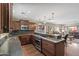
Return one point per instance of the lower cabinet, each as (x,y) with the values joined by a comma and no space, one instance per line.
(25,39)
(32,40)
(52,49)
(48,48)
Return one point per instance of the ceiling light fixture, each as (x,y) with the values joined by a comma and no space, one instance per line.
(52,16)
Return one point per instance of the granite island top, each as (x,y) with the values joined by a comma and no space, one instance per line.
(3,35)
(20,32)
(10,46)
(50,39)
(54,40)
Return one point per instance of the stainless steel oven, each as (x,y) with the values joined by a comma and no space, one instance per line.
(38,43)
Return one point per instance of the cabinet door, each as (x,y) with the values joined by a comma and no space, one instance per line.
(24,22)
(5,17)
(32,40)
(48,48)
(16,25)
(0,19)
(25,39)
(60,49)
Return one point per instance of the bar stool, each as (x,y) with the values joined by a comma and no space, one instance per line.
(71,39)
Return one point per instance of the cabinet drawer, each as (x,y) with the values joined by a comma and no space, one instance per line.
(48,48)
(47,52)
(48,45)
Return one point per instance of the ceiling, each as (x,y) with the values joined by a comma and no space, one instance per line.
(64,13)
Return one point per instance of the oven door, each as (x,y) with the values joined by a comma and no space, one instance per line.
(38,43)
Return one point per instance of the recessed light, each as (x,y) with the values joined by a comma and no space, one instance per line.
(28,11)
(22,13)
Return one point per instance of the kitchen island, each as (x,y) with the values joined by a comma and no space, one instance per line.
(47,45)
(51,46)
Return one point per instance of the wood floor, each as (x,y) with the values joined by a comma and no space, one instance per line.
(29,50)
(72,49)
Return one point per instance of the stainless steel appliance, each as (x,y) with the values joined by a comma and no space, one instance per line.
(38,43)
(24,27)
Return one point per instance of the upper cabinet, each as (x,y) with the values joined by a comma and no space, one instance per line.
(23,25)
(29,25)
(32,26)
(24,22)
(15,25)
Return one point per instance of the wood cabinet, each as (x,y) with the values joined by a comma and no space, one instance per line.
(48,48)
(16,25)
(32,26)
(0,20)
(25,39)
(24,22)
(33,39)
(52,49)
(4,17)
(60,49)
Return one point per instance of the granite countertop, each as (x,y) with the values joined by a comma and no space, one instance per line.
(3,35)
(20,32)
(10,46)
(50,39)
(54,40)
